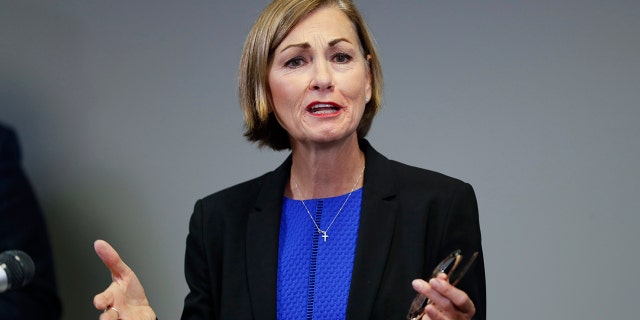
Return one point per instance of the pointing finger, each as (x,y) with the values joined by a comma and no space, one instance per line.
(111,259)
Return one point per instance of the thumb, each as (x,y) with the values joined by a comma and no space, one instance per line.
(443,276)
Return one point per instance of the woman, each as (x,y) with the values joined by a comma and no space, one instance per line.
(338,231)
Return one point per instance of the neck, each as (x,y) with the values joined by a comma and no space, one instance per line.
(325,171)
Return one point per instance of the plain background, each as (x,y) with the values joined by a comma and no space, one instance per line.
(127,113)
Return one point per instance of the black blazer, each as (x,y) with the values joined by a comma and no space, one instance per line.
(410,219)
(22,227)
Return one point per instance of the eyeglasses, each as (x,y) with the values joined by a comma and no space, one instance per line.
(416,311)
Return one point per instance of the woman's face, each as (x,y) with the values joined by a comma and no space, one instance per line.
(319,79)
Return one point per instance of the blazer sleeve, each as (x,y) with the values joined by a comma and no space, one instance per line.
(462,231)
(199,302)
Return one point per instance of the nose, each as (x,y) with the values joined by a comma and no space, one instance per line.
(322,78)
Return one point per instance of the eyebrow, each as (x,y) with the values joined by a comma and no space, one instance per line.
(306,45)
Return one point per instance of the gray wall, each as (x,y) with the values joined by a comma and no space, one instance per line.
(127,112)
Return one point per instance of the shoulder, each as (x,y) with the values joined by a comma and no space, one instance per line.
(429,188)
(234,199)
(268,185)
(9,149)
(409,175)
(402,176)
(7,133)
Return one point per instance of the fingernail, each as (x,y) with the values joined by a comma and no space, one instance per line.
(420,285)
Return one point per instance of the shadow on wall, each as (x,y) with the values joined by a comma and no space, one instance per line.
(72,256)
(38,58)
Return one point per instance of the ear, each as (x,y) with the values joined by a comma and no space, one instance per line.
(368,78)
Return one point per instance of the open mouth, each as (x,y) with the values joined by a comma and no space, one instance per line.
(323,108)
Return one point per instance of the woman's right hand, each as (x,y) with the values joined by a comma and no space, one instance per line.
(124,298)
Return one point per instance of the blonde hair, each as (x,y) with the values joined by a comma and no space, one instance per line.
(269,30)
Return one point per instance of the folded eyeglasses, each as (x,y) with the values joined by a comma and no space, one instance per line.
(447,266)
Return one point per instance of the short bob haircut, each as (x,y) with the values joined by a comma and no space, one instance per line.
(269,30)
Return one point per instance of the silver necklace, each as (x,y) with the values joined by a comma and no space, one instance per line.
(324,232)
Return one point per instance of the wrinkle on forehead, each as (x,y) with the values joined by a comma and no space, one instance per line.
(319,27)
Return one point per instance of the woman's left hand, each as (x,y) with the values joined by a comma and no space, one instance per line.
(447,301)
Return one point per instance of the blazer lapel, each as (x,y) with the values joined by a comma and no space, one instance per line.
(263,227)
(377,222)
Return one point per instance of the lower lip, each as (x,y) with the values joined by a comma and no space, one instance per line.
(325,113)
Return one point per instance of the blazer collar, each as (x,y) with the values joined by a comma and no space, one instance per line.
(377,221)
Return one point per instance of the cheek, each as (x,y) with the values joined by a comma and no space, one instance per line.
(276,92)
(358,93)
(359,85)
(279,90)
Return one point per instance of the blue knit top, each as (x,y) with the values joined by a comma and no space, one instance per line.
(314,275)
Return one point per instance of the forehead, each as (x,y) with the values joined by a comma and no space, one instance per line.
(328,23)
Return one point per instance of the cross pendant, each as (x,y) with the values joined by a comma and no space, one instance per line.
(325,236)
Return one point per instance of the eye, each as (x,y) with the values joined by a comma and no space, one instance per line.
(294,63)
(341,57)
